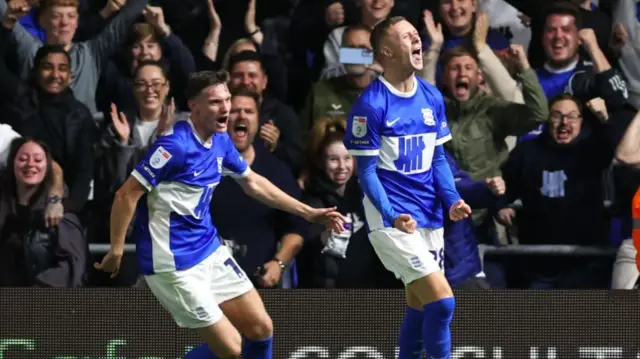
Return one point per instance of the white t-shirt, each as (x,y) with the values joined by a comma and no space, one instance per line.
(146,129)
(7,135)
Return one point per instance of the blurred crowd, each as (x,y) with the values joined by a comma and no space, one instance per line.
(541,99)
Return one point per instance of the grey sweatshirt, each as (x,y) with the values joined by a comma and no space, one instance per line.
(87,58)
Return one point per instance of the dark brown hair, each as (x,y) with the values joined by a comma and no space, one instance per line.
(8,191)
(203,79)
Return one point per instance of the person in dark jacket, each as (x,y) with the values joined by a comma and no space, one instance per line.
(463,266)
(32,254)
(337,260)
(280,127)
(558,176)
(150,41)
(45,108)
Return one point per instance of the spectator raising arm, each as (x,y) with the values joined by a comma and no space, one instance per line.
(628,151)
(212,42)
(114,35)
(431,56)
(250,24)
(495,74)
(514,119)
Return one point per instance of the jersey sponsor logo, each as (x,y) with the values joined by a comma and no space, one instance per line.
(160,158)
(410,151)
(359,128)
(390,123)
(427,115)
(553,184)
(197,173)
(148,170)
(443,125)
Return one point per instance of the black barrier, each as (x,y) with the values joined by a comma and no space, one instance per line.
(339,324)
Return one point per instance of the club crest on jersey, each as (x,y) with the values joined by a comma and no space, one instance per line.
(359,128)
(160,158)
(219,164)
(427,115)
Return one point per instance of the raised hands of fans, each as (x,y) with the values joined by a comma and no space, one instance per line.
(459,210)
(334,16)
(505,216)
(120,124)
(405,223)
(15,10)
(518,53)
(270,134)
(588,38)
(215,24)
(481,30)
(598,108)
(329,217)
(110,264)
(619,38)
(250,23)
(167,118)
(434,31)
(112,7)
(272,274)
(154,16)
(496,185)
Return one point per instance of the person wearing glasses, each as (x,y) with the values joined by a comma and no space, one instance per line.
(127,138)
(558,177)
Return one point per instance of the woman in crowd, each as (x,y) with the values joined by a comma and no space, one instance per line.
(337,260)
(127,138)
(32,254)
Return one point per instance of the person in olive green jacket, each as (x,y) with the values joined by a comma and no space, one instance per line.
(335,96)
(479,123)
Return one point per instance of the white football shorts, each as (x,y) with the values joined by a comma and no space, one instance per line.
(410,256)
(192,296)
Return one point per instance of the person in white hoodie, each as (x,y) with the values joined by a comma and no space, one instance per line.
(7,134)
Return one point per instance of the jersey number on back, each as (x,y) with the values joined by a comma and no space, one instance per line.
(205,200)
(410,154)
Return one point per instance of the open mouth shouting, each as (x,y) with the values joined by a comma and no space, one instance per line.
(221,123)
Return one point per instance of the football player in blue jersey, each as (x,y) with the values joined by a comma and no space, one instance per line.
(396,130)
(178,248)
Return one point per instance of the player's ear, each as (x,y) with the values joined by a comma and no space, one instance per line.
(386,51)
(192,105)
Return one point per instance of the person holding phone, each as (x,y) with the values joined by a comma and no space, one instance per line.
(336,95)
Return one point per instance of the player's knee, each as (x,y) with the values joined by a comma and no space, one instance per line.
(444,307)
(260,329)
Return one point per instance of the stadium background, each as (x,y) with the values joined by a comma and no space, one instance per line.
(336,324)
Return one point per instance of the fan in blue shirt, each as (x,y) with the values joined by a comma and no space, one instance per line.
(179,252)
(396,130)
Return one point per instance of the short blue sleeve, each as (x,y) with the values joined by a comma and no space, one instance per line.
(233,164)
(363,130)
(444,134)
(165,156)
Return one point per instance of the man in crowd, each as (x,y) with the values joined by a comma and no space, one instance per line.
(265,248)
(280,128)
(336,95)
(60,20)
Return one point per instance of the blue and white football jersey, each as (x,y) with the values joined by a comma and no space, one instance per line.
(173,228)
(402,130)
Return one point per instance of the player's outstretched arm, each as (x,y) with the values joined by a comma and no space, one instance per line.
(266,192)
(122,210)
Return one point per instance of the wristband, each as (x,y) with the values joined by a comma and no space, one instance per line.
(280,263)
(257,30)
(54,200)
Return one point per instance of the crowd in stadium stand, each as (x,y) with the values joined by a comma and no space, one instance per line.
(539,95)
